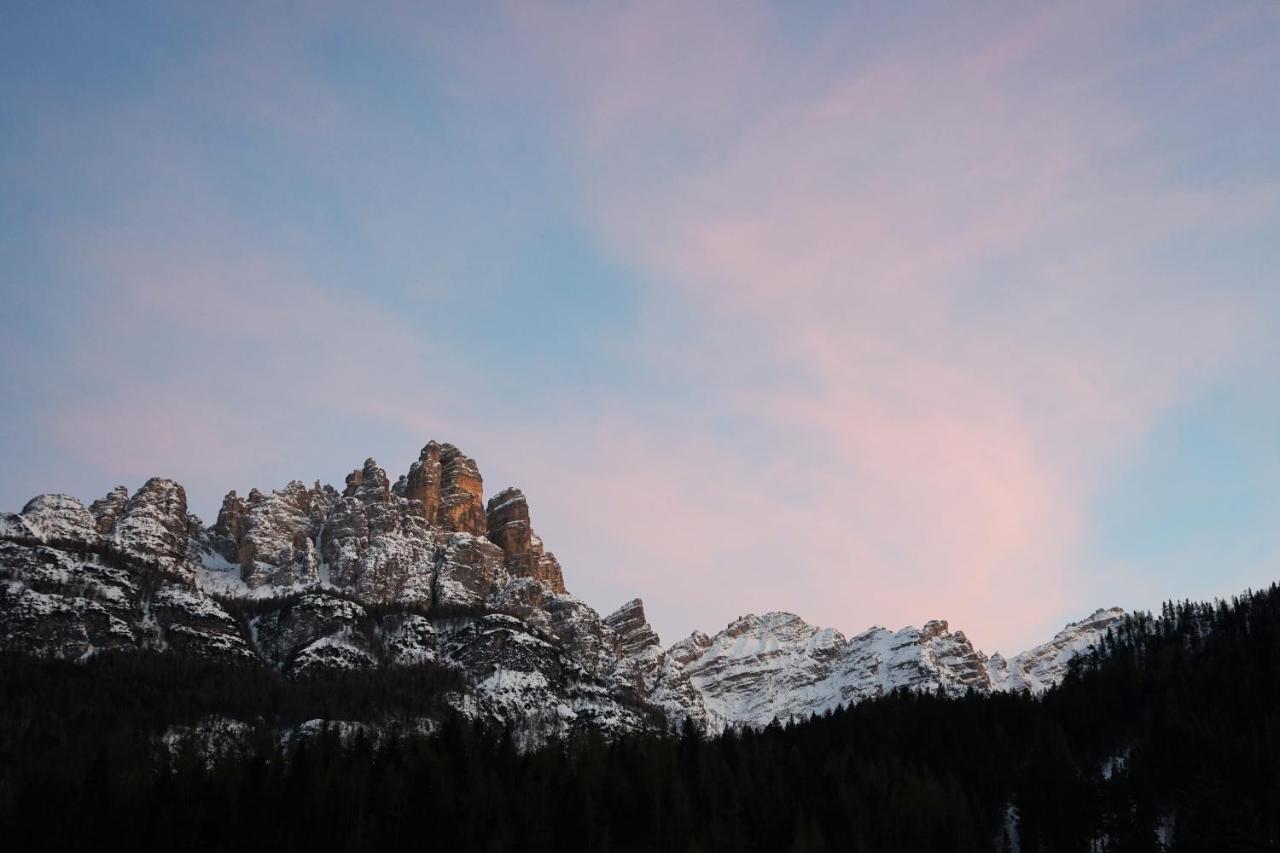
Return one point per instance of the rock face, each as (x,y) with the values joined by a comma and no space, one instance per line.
(507,521)
(274,542)
(656,673)
(423,482)
(461,493)
(228,531)
(1044,666)
(153,524)
(107,509)
(308,580)
(53,517)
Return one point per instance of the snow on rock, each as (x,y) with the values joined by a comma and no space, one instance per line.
(348,731)
(528,678)
(652,672)
(275,544)
(582,632)
(410,639)
(59,517)
(1042,667)
(335,652)
(210,739)
(55,604)
(58,626)
(153,525)
(422,572)
(777,666)
(469,569)
(192,623)
(15,526)
(106,510)
(284,632)
(762,667)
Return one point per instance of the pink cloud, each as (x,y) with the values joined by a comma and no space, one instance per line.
(841,232)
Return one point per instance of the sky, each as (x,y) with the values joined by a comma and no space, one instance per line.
(875,313)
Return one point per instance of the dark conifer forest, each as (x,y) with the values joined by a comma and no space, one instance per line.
(1165,737)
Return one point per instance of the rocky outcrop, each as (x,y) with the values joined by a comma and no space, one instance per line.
(369,484)
(191,623)
(411,639)
(56,605)
(653,672)
(424,481)
(275,540)
(1040,668)
(285,633)
(526,676)
(507,519)
(461,493)
(640,652)
(509,527)
(106,510)
(228,531)
(468,570)
(376,542)
(59,517)
(153,524)
(635,637)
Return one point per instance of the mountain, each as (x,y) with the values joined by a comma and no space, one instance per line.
(309,580)
(777,666)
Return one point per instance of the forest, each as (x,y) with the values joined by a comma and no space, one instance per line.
(1165,737)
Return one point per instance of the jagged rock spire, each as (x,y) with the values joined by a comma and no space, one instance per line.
(509,527)
(106,510)
(424,481)
(461,493)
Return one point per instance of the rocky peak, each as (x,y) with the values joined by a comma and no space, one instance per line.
(274,541)
(228,531)
(296,493)
(423,483)
(369,484)
(510,529)
(1041,667)
(632,629)
(690,647)
(153,524)
(507,518)
(933,628)
(54,517)
(461,493)
(105,510)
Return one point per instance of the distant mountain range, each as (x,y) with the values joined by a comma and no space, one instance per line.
(307,580)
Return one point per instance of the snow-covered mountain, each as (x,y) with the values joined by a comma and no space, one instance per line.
(777,666)
(307,579)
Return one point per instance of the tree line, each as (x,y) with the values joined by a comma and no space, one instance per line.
(1165,736)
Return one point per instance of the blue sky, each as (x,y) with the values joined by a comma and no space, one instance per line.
(875,313)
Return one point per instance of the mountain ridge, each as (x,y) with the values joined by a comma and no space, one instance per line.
(425,570)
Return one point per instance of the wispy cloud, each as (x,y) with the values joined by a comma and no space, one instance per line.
(953,251)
